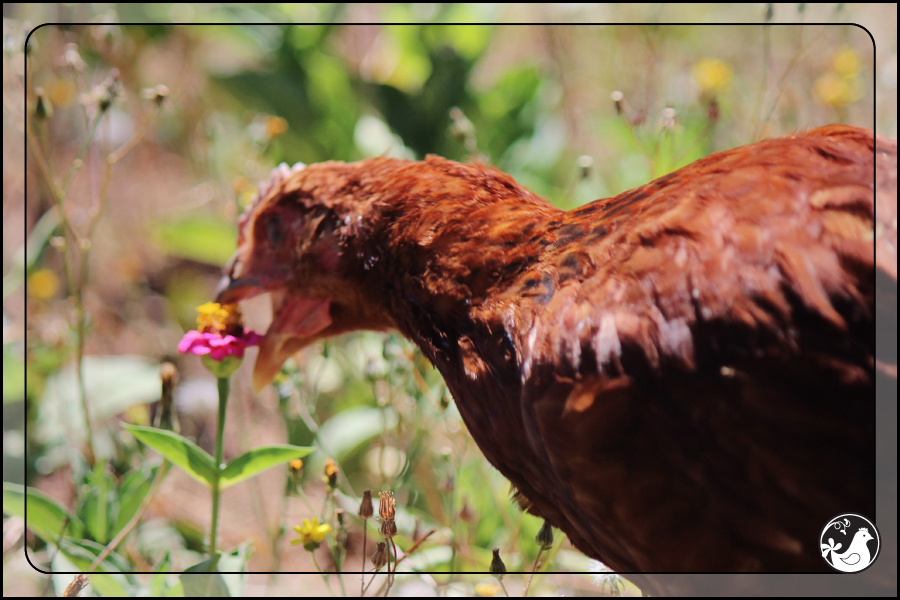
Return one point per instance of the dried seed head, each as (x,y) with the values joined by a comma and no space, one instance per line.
(379,559)
(43,109)
(108,91)
(386,506)
(389,528)
(545,536)
(165,416)
(157,94)
(617,98)
(712,110)
(466,513)
(498,569)
(73,589)
(71,59)
(365,506)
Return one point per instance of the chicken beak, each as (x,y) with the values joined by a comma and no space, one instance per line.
(296,321)
(230,291)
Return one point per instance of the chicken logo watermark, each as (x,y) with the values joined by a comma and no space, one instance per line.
(850,543)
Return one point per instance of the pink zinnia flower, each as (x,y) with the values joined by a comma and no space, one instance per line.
(217,345)
(221,334)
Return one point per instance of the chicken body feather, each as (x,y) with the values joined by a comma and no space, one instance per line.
(681,378)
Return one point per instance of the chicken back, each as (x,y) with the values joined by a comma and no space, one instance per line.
(680,378)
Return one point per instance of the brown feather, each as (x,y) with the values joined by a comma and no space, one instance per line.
(680,378)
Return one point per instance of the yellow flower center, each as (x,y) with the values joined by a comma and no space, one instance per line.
(220,318)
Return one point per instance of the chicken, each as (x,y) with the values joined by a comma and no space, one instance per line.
(680,378)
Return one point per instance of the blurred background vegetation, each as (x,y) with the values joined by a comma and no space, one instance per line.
(198,114)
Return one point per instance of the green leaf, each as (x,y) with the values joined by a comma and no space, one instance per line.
(204,585)
(347,430)
(159,585)
(181,451)
(202,581)
(13,374)
(112,384)
(131,494)
(94,509)
(221,575)
(259,459)
(110,578)
(203,239)
(46,518)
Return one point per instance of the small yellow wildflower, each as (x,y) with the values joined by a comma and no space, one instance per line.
(43,284)
(712,75)
(62,92)
(311,533)
(295,469)
(487,590)
(845,62)
(837,91)
(275,126)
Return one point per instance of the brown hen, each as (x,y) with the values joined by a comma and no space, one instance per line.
(680,378)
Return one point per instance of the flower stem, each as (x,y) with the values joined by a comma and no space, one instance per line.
(533,569)
(321,572)
(362,588)
(220,435)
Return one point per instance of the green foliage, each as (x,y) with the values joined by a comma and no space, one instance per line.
(47,519)
(200,465)
(198,238)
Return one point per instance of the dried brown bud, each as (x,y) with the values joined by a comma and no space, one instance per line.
(545,536)
(73,589)
(386,506)
(498,569)
(72,59)
(166,417)
(43,109)
(157,94)
(108,91)
(389,528)
(466,513)
(365,506)
(712,110)
(379,559)
(339,513)
(617,98)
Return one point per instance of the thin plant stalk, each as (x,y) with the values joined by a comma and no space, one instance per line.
(362,585)
(220,435)
(59,189)
(322,573)
(533,569)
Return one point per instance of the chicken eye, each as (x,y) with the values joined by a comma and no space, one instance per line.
(273,232)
